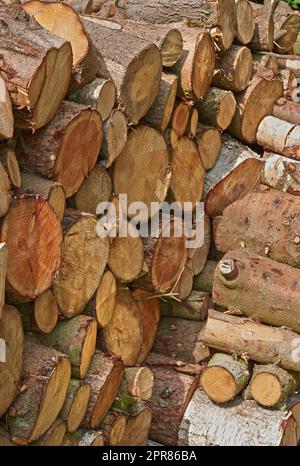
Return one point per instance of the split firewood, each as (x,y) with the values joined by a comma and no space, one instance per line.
(96,188)
(240,423)
(281,173)
(114,137)
(45,372)
(236,172)
(263,36)
(274,239)
(194,307)
(102,304)
(54,435)
(123,335)
(224,377)
(77,339)
(181,339)
(161,110)
(55,152)
(180,117)
(6,112)
(3,262)
(64,22)
(75,405)
(31,271)
(9,161)
(287,110)
(245,24)
(172,392)
(83,260)
(104,377)
(217,108)
(12,337)
(137,428)
(40,315)
(204,280)
(196,65)
(113,427)
(271,385)
(286,27)
(36,67)
(133,64)
(51,191)
(251,274)
(197,253)
(269,345)
(149,311)
(208,140)
(100,94)
(248,113)
(279,136)
(234,68)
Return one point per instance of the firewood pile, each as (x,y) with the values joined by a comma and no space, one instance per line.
(118,339)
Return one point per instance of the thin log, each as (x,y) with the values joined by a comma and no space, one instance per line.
(217,108)
(75,405)
(208,140)
(40,315)
(234,68)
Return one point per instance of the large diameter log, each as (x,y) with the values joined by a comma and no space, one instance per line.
(3,261)
(172,392)
(123,335)
(281,173)
(99,94)
(45,372)
(232,334)
(245,25)
(56,151)
(161,110)
(196,65)
(11,360)
(54,436)
(102,304)
(194,307)
(234,69)
(144,146)
(236,173)
(253,105)
(40,315)
(63,21)
(96,188)
(76,403)
(271,238)
(217,108)
(51,191)
(287,110)
(239,276)
(224,377)
(31,271)
(279,136)
(134,65)
(287,27)
(264,26)
(77,339)
(6,112)
(84,257)
(104,377)
(238,423)
(36,67)
(203,282)
(181,339)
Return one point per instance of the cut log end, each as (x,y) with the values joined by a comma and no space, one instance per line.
(266,389)
(95,189)
(245,21)
(171,47)
(219,384)
(46,311)
(208,140)
(7,118)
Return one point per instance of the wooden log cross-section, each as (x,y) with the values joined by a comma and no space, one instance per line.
(233,69)
(217,108)
(40,315)
(286,27)
(75,405)
(263,36)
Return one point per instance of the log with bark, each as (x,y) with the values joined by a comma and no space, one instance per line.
(96,188)
(56,151)
(217,108)
(279,136)
(250,229)
(75,405)
(102,304)
(6,112)
(263,36)
(287,110)
(104,377)
(204,280)
(36,67)
(234,69)
(31,270)
(40,315)
(246,337)
(245,25)
(281,173)
(54,435)
(84,438)
(137,382)
(181,339)
(236,173)
(12,341)
(208,140)
(133,63)
(264,61)
(253,105)
(43,388)
(84,257)
(286,27)
(224,377)
(77,339)
(194,307)
(113,427)
(238,423)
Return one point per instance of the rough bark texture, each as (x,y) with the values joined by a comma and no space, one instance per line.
(194,307)
(290,62)
(279,136)
(217,108)
(287,110)
(264,26)
(234,69)
(281,173)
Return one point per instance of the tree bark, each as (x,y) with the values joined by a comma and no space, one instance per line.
(264,61)
(40,315)
(208,140)
(75,405)
(104,377)
(290,62)
(102,304)
(289,82)
(238,423)
(245,25)
(234,68)
(84,257)
(36,67)
(181,339)
(268,345)
(56,151)
(84,438)
(45,372)
(217,108)
(76,338)
(281,173)
(279,136)
(286,27)
(194,307)
(264,26)
(248,112)
(204,280)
